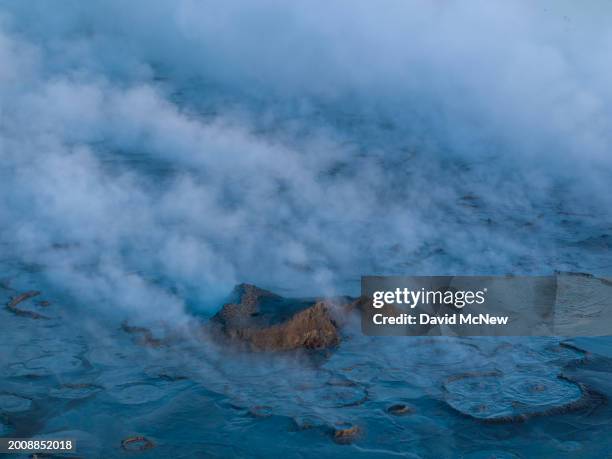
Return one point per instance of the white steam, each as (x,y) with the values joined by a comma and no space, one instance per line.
(156,153)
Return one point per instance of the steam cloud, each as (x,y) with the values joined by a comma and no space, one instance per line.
(155,153)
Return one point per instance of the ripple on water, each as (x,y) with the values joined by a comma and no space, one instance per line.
(496,397)
(166,373)
(53,364)
(74,391)
(334,396)
(28,351)
(549,354)
(563,353)
(13,403)
(136,394)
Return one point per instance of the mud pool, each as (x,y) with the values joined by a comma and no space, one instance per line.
(155,154)
(73,376)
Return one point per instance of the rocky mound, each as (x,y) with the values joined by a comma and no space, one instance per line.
(266,321)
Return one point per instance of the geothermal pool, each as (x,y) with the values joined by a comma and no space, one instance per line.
(94,380)
(153,154)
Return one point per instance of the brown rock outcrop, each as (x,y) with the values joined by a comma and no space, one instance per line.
(266,321)
(346,434)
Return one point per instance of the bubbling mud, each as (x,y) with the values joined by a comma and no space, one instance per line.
(516,397)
